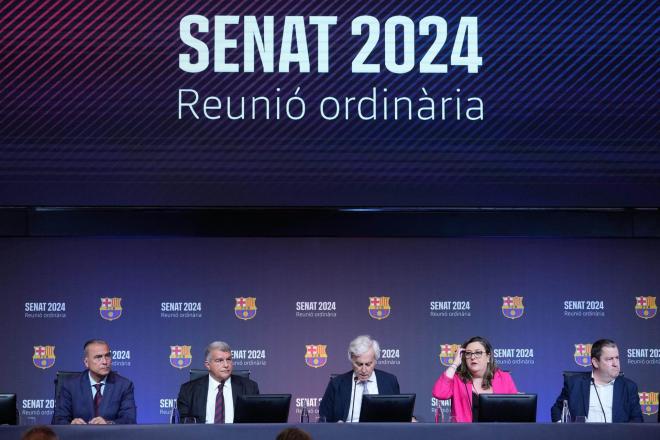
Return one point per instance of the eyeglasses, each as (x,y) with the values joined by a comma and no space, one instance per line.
(473,354)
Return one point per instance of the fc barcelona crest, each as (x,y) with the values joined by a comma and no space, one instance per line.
(44,356)
(379,307)
(110,308)
(180,356)
(582,355)
(447,353)
(245,308)
(645,307)
(649,402)
(316,356)
(512,306)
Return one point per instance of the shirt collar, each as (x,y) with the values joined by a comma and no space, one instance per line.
(93,382)
(214,383)
(610,383)
(371,378)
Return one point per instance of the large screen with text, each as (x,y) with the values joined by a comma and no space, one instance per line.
(372,103)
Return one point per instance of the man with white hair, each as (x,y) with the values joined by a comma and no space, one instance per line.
(212,398)
(342,399)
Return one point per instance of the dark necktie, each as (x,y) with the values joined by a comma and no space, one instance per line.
(97,398)
(220,405)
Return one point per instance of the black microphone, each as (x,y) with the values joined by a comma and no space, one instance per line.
(593,382)
(467,393)
(355,379)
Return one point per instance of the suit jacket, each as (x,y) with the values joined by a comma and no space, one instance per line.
(75,400)
(625,400)
(460,392)
(192,395)
(337,397)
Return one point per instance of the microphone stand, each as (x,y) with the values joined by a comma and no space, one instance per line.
(355,379)
(467,393)
(593,382)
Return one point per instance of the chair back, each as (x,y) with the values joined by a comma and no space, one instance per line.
(8,409)
(59,379)
(196,373)
(568,373)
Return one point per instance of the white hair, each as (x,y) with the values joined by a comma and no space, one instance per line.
(361,345)
(216,345)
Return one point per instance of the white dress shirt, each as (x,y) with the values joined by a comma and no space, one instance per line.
(93,382)
(606,394)
(212,393)
(370,386)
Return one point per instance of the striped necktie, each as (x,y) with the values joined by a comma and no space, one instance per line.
(97,398)
(220,405)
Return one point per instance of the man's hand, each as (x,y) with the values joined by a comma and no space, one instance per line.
(98,421)
(78,421)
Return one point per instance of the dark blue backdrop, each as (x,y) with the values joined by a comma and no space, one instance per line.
(417,275)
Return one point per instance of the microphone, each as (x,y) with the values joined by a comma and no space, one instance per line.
(593,382)
(467,393)
(355,379)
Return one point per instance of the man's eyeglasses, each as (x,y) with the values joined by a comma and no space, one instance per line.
(473,354)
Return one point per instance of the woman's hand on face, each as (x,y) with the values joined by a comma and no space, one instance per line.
(458,358)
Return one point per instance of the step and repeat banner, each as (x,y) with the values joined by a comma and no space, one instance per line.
(375,102)
(290,306)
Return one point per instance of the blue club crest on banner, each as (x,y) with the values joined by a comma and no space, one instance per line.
(512,307)
(110,308)
(649,402)
(316,356)
(447,353)
(44,356)
(582,355)
(180,356)
(379,307)
(245,308)
(645,307)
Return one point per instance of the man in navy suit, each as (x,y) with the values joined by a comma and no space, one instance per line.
(98,395)
(212,398)
(342,399)
(602,396)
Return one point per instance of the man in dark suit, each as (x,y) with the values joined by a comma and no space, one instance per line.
(98,395)
(342,399)
(212,398)
(603,395)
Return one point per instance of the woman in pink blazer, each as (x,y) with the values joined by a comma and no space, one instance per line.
(473,372)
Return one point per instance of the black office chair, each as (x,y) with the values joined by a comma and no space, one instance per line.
(59,377)
(63,375)
(196,373)
(8,409)
(568,374)
(587,374)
